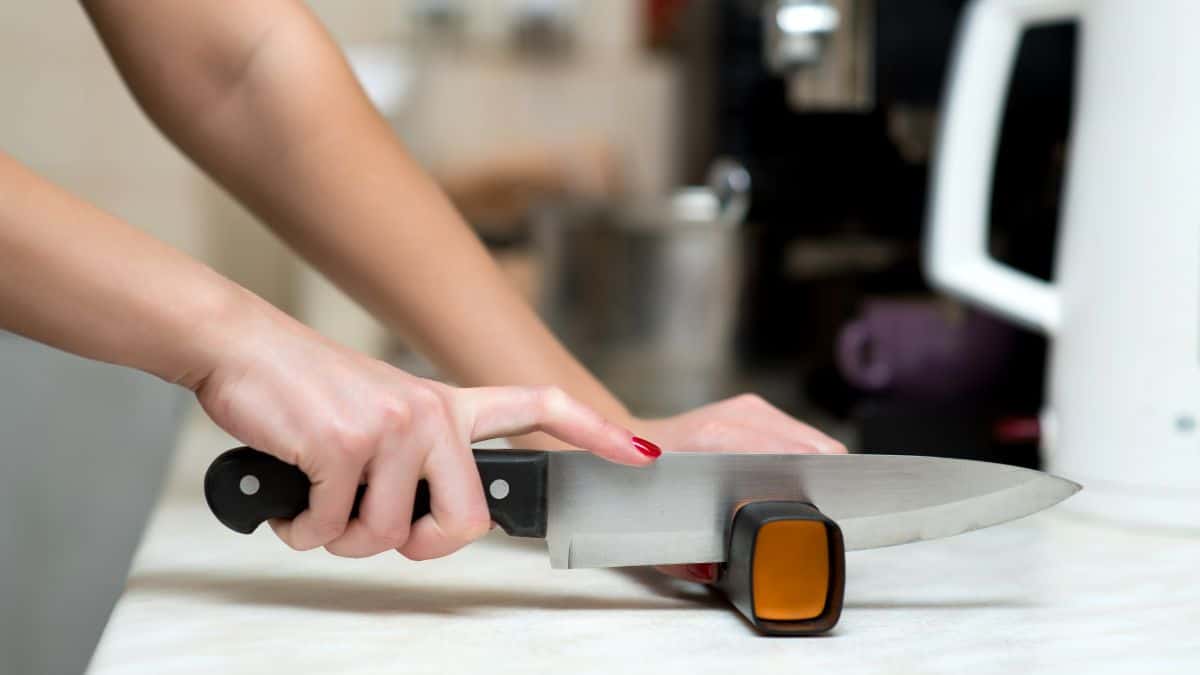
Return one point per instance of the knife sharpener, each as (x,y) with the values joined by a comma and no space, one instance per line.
(785,569)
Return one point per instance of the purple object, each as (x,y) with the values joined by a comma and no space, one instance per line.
(922,349)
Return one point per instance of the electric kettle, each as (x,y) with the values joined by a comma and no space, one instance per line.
(1123,311)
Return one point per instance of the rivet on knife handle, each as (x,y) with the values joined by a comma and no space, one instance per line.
(245,487)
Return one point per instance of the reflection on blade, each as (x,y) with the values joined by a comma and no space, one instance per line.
(947,520)
(642,548)
(605,515)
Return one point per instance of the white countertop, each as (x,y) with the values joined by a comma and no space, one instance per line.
(1051,593)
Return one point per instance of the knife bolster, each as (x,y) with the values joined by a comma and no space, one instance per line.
(785,569)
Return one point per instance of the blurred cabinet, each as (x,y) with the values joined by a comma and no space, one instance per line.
(83,450)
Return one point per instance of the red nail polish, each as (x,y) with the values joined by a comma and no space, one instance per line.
(702,572)
(647,448)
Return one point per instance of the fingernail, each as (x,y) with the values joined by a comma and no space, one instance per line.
(647,448)
(705,573)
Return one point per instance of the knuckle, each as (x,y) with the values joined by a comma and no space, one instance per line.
(714,429)
(293,544)
(751,400)
(718,432)
(477,525)
(471,524)
(351,441)
(417,555)
(430,406)
(425,399)
(325,529)
(396,413)
(553,400)
(343,552)
(394,534)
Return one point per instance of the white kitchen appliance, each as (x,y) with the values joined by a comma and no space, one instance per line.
(1123,311)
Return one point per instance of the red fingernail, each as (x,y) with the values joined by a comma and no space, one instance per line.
(647,448)
(705,573)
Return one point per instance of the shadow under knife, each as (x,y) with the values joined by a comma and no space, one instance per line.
(337,594)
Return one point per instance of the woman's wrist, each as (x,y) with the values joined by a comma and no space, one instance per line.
(217,323)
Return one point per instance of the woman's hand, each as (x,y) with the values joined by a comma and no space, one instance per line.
(745,423)
(343,418)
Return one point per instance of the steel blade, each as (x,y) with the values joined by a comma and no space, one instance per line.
(678,511)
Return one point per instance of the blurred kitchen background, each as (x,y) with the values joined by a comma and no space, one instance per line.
(703,197)
(567,130)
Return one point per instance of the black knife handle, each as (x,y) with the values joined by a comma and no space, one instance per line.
(245,487)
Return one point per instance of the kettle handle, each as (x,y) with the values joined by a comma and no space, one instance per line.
(956,258)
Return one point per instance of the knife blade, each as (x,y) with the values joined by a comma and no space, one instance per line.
(594,513)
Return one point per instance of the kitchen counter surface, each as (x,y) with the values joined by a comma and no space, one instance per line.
(1051,593)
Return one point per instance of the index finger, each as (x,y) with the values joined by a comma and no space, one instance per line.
(510,411)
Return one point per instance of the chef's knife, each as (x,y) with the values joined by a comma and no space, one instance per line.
(594,513)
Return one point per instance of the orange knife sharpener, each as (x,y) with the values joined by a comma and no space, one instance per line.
(786,568)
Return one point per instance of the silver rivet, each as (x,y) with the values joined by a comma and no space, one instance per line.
(248,484)
(498,489)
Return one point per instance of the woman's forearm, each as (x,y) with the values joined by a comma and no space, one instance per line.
(76,278)
(282,123)
(81,280)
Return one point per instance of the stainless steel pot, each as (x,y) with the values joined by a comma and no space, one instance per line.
(646,293)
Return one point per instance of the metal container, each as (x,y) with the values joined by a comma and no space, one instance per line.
(646,293)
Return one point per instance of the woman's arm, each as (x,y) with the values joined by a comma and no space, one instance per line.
(260,96)
(78,279)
